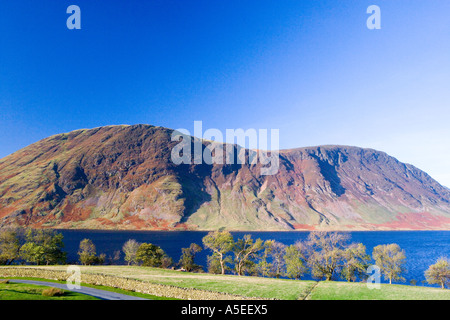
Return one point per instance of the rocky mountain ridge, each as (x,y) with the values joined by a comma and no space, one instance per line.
(122,177)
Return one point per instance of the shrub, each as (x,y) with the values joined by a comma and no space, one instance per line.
(52,292)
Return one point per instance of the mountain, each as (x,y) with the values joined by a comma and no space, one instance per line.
(122,177)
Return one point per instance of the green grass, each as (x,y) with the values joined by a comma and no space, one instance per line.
(333,290)
(22,291)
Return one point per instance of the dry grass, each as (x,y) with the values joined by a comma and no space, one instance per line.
(52,292)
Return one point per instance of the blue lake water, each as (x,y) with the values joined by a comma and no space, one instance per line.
(422,248)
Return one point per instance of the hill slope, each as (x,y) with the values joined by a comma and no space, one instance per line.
(122,177)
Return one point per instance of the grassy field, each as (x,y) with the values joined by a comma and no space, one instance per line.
(244,286)
(334,290)
(265,287)
(22,291)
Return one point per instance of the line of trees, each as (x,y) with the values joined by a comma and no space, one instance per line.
(32,246)
(324,255)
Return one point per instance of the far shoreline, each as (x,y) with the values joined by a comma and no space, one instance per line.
(241,231)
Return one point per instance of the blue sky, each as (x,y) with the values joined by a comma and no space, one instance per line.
(311,69)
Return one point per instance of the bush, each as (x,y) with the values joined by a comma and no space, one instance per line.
(151,255)
(52,292)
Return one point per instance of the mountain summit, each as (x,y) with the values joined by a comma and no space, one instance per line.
(122,177)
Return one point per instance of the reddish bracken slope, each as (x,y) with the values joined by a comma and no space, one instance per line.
(121,177)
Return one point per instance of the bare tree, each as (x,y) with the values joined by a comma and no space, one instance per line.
(130,249)
(278,250)
(326,252)
(272,263)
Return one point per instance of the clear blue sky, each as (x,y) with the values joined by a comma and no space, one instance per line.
(308,68)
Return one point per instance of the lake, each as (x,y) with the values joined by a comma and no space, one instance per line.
(422,248)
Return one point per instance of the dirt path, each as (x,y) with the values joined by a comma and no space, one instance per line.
(310,291)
